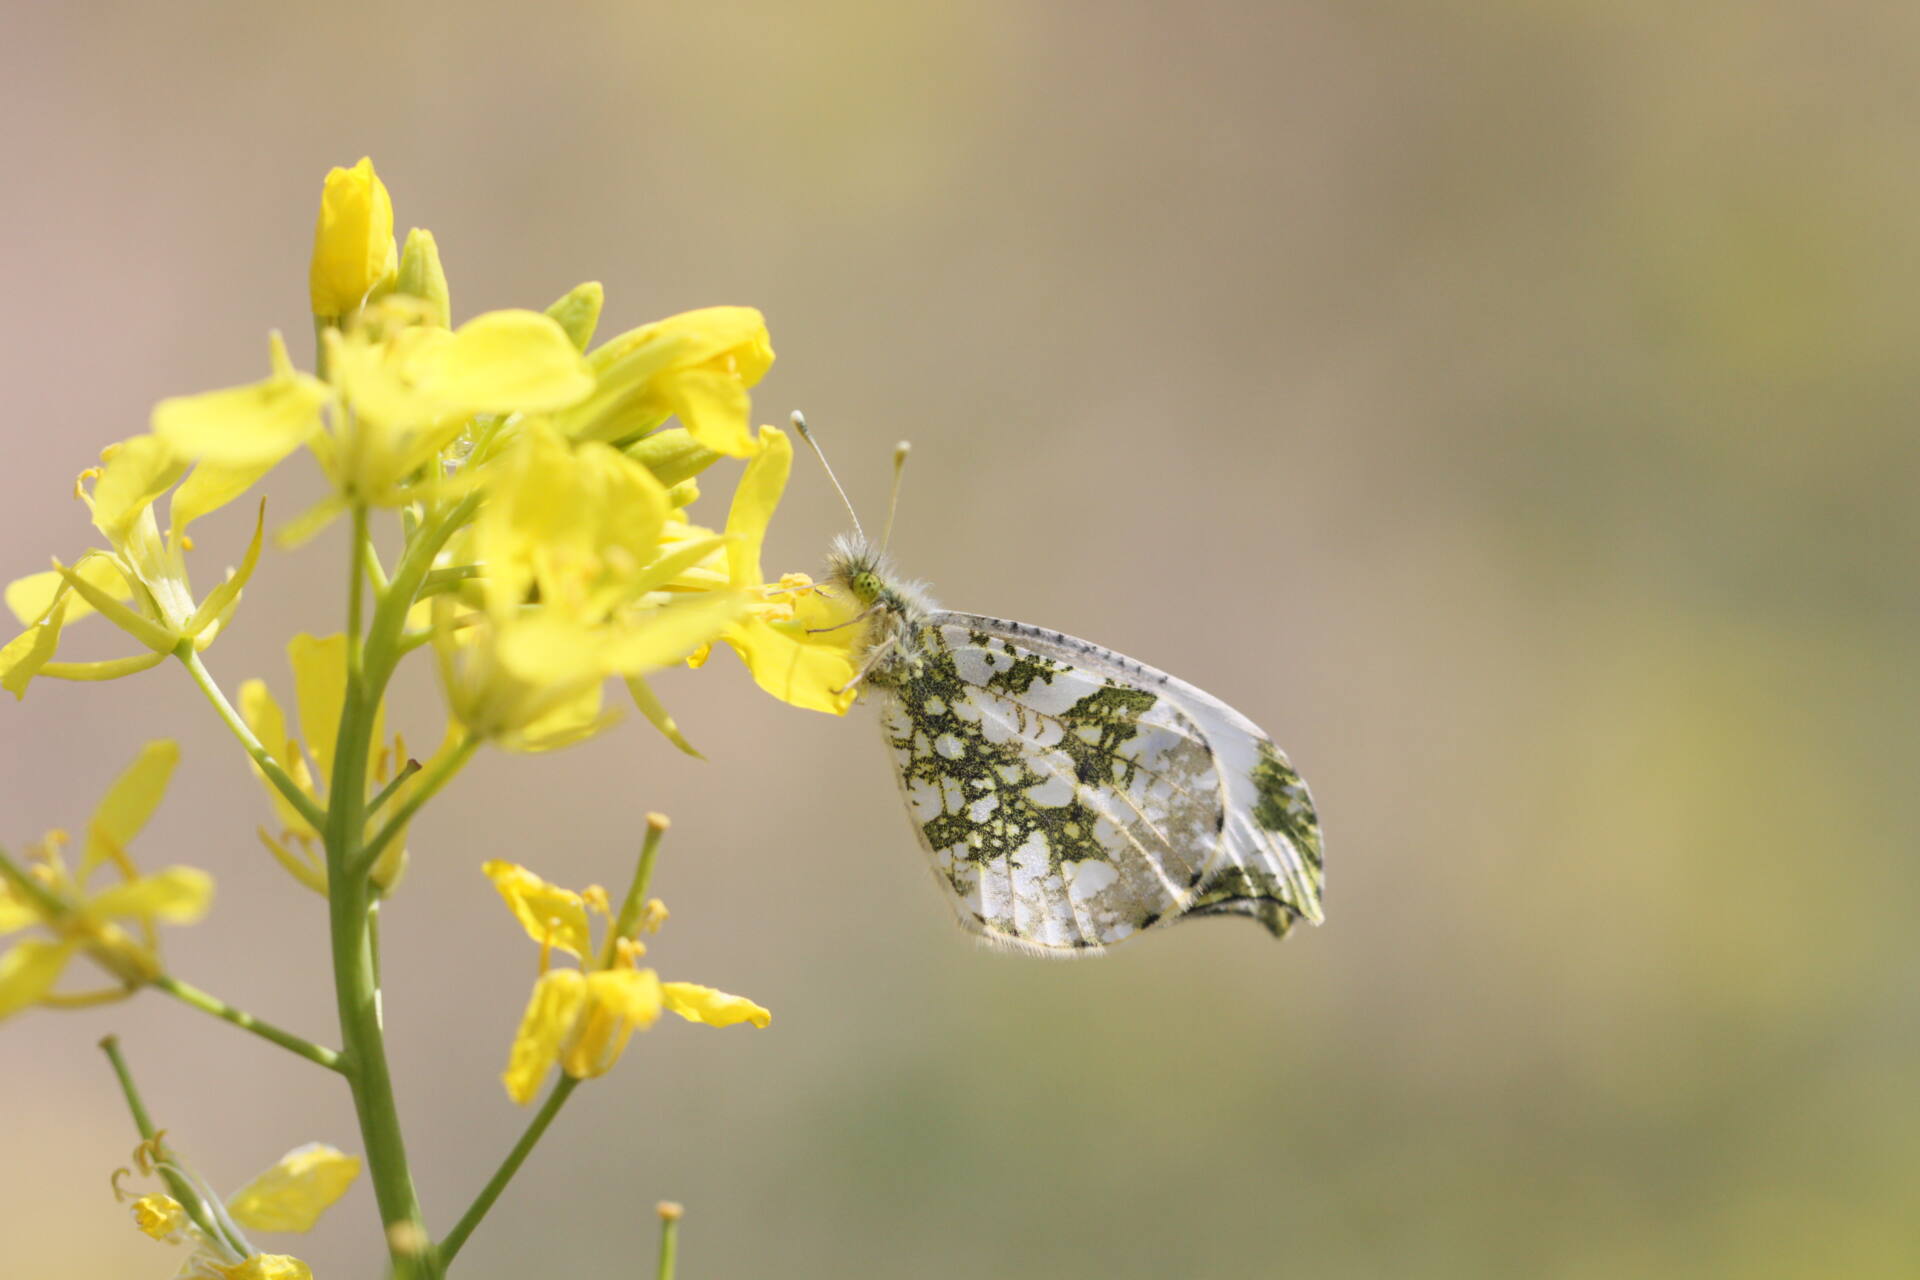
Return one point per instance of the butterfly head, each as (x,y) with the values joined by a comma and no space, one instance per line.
(892,608)
(864,572)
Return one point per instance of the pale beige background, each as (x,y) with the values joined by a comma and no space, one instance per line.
(1510,406)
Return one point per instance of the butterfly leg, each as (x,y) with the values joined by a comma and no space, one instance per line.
(873,660)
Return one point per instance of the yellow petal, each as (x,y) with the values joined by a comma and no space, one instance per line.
(209,487)
(545,911)
(28,971)
(130,801)
(353,247)
(293,1194)
(30,597)
(506,362)
(551,1012)
(663,636)
(302,528)
(754,500)
(696,1003)
(566,724)
(250,426)
(805,670)
(267,1266)
(618,1003)
(305,868)
(26,654)
(178,895)
(319,689)
(269,724)
(16,912)
(698,362)
(137,471)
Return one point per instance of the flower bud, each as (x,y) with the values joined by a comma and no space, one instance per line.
(422,277)
(579,312)
(353,250)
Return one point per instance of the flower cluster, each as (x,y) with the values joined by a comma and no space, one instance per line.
(288,1197)
(113,925)
(542,462)
(581,1018)
(522,503)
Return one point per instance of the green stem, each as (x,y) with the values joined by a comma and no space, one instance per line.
(669,1238)
(629,913)
(45,900)
(349,904)
(186,993)
(629,917)
(436,777)
(178,1184)
(356,592)
(390,615)
(286,786)
(536,1127)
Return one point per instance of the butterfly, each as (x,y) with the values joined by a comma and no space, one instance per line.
(1070,797)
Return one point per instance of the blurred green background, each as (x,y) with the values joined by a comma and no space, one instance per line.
(1510,406)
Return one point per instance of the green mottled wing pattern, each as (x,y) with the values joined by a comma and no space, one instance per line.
(1070,798)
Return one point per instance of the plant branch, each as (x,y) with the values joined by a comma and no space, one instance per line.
(186,993)
(178,1184)
(302,802)
(536,1127)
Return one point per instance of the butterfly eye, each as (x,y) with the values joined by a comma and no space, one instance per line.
(866,585)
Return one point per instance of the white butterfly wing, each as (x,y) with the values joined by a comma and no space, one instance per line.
(1070,797)
(1269,863)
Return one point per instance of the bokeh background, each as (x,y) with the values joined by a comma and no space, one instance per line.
(1510,406)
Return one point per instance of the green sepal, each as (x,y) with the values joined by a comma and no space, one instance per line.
(421,276)
(672,455)
(579,312)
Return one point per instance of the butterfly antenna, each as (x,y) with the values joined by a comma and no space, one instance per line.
(800,425)
(893,498)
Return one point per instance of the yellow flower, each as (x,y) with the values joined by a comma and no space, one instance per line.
(400,388)
(319,688)
(796,640)
(581,1019)
(139,583)
(696,366)
(158,1216)
(353,251)
(79,919)
(290,1196)
(574,590)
